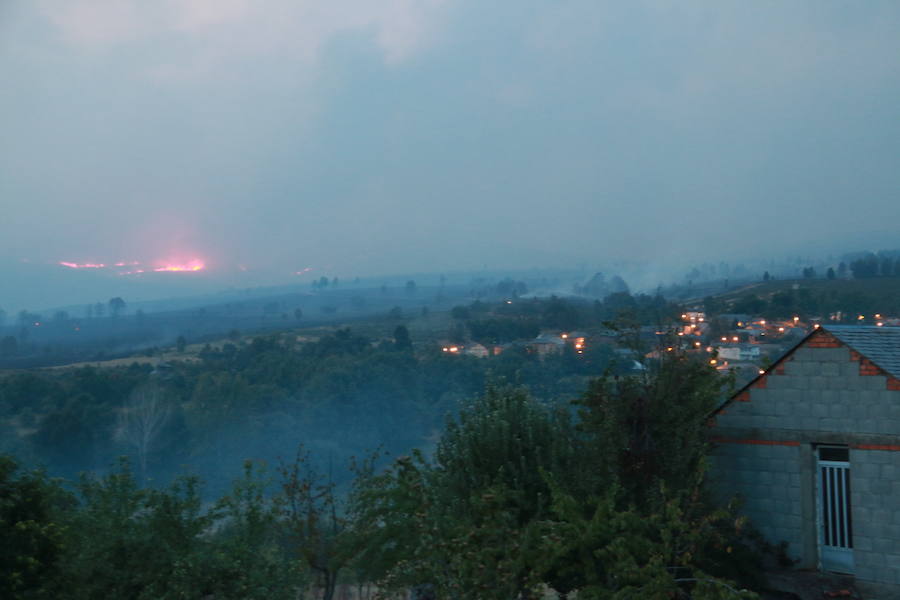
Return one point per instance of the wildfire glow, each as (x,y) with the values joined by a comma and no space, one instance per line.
(135,267)
(72,265)
(194,265)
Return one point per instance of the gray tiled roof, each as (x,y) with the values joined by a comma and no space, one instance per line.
(881,345)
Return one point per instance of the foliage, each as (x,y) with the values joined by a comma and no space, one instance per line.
(650,428)
(32,537)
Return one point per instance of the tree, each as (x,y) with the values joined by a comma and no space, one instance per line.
(410,287)
(401,338)
(830,273)
(33,539)
(180,343)
(466,524)
(766,276)
(116,306)
(99,309)
(321,528)
(142,420)
(9,346)
(298,314)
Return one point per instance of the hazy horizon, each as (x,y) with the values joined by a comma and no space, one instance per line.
(369,139)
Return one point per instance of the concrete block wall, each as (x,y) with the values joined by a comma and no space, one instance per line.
(818,389)
(875,506)
(767,478)
(823,394)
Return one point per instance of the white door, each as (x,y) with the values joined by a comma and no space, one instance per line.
(835,522)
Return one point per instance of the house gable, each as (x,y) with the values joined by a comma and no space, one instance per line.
(821,385)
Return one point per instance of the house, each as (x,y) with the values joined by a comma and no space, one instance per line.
(477,350)
(812,445)
(739,352)
(548,343)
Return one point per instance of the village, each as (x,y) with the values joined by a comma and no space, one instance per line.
(742,344)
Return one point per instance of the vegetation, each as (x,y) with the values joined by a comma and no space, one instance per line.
(784,299)
(518,495)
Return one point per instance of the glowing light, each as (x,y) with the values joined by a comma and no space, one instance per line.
(860,318)
(564,336)
(194,265)
(697,344)
(879,324)
(712,361)
(816,326)
(300,272)
(72,265)
(762,372)
(781,329)
(877,315)
(127,264)
(734,339)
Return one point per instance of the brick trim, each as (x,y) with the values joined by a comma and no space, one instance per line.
(890,447)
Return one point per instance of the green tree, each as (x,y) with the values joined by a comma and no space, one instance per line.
(32,536)
(320,527)
(401,338)
(116,306)
(180,343)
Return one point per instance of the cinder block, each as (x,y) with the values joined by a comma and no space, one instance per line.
(874,559)
(882,546)
(804,354)
(858,383)
(829,396)
(867,425)
(819,409)
(875,382)
(817,382)
(850,397)
(838,383)
(848,368)
(831,369)
(888,427)
(839,355)
(838,409)
(868,470)
(879,487)
(809,423)
(829,424)
(793,367)
(861,543)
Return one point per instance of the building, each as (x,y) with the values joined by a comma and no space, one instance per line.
(477,350)
(739,352)
(548,343)
(812,445)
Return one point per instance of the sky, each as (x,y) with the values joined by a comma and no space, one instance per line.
(361,137)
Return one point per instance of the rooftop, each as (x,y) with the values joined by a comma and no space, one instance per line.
(881,345)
